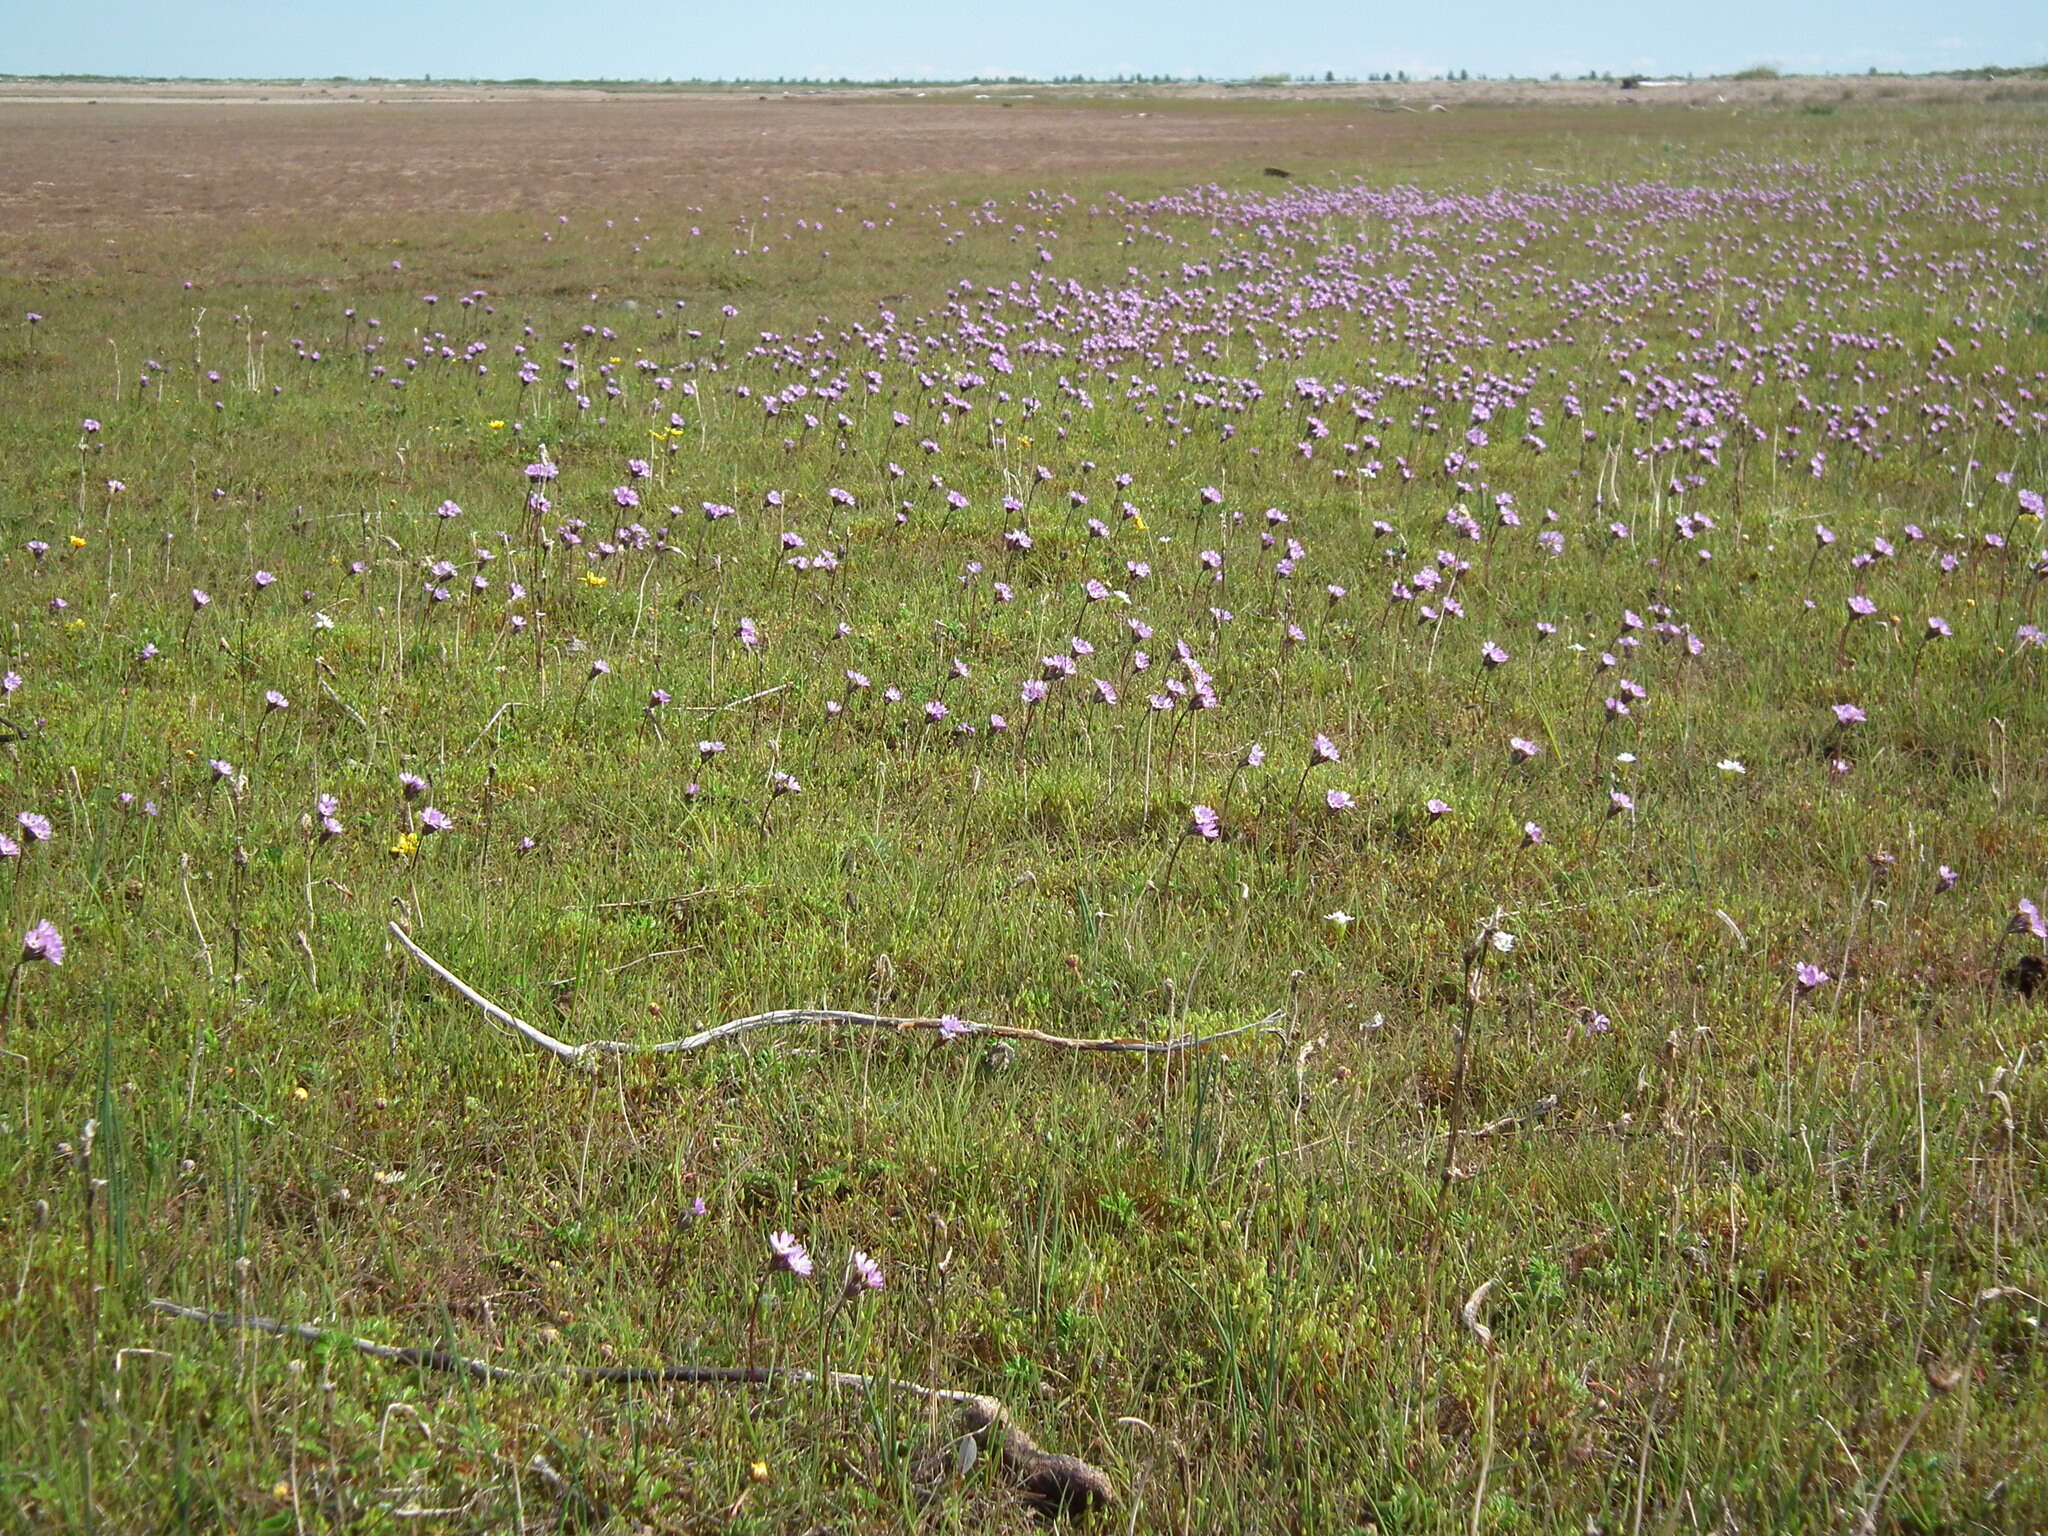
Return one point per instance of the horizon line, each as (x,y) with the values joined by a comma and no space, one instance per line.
(1761,71)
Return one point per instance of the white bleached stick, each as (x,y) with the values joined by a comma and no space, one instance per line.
(578,1055)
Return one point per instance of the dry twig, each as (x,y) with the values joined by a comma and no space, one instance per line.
(578,1055)
(713,709)
(1052,1481)
(1539,1110)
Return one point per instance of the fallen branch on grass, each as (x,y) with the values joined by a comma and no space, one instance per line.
(1052,1482)
(713,709)
(1527,1114)
(681,898)
(579,1054)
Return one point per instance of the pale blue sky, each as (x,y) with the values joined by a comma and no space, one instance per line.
(867,39)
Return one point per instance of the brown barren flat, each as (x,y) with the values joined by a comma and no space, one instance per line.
(119,156)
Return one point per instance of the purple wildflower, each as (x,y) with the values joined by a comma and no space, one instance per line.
(789,1254)
(862,1274)
(2027,919)
(43,942)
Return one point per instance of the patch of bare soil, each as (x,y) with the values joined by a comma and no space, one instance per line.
(120,161)
(119,156)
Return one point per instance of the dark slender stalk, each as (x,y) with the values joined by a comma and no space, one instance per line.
(1475,962)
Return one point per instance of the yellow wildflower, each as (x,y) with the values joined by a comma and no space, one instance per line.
(495,426)
(407,845)
(592,579)
(77,542)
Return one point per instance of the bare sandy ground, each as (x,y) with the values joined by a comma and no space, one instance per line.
(120,156)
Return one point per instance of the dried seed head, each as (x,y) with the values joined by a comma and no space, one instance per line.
(1944,1379)
(1470,1313)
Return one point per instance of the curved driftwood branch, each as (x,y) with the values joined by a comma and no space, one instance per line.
(579,1055)
(1051,1481)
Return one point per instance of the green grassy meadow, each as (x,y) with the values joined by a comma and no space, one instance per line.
(1765,1252)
